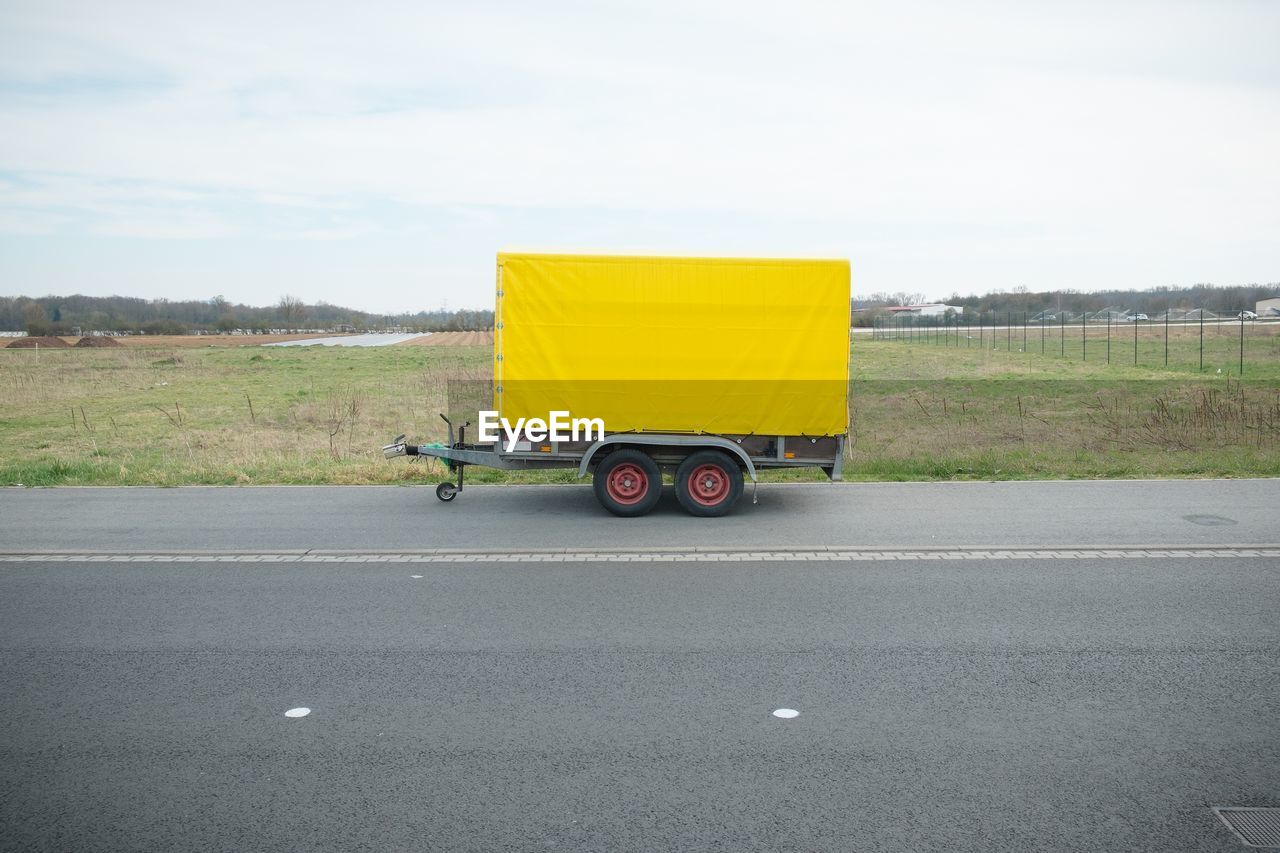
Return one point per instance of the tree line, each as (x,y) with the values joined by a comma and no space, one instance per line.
(1019,300)
(62,315)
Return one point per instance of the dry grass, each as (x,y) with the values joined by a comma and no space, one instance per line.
(188,341)
(1095,348)
(137,415)
(293,415)
(451,339)
(1001,429)
(922,411)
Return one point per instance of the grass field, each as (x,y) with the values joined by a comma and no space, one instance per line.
(1217,348)
(173,416)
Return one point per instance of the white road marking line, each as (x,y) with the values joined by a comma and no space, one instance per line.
(786,713)
(297,712)
(839,555)
(416,577)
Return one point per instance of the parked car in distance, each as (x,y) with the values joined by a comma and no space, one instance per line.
(1133,318)
(1247,315)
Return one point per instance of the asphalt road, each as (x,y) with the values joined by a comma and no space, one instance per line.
(1004,514)
(1073,704)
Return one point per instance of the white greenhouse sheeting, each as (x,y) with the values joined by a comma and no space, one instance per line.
(374,340)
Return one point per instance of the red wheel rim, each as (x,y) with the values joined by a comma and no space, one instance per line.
(709,485)
(627,484)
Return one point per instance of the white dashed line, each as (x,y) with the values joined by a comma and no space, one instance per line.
(786,713)
(297,712)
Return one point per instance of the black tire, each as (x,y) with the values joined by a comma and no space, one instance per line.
(718,487)
(446,491)
(628,483)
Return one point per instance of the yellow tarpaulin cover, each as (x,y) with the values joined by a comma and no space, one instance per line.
(655,344)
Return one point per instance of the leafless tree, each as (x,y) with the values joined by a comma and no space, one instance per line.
(292,310)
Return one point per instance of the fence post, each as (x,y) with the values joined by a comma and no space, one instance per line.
(1062,334)
(1242,344)
(1202,339)
(1024,331)
(1008,331)
(1166,331)
(1084,341)
(1135,339)
(1108,336)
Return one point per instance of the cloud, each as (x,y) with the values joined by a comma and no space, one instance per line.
(1127,140)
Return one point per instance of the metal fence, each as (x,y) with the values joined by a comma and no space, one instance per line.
(1197,340)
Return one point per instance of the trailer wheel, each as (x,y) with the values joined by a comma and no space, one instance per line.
(708,483)
(446,491)
(628,483)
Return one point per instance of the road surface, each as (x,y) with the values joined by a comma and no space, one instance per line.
(1003,514)
(1065,693)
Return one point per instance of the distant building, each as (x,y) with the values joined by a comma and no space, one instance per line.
(1268,307)
(932,309)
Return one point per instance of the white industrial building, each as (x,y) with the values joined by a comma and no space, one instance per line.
(1268,307)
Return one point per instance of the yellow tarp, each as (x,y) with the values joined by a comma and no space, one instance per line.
(714,345)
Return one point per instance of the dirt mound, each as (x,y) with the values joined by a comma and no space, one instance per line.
(32,343)
(98,341)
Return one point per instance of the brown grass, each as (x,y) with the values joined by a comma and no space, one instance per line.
(452,339)
(170,341)
(98,342)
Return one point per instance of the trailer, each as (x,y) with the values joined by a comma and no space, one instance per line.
(708,369)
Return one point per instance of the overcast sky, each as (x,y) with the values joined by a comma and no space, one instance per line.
(378,155)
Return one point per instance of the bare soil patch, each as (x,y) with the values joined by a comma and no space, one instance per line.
(452,339)
(170,341)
